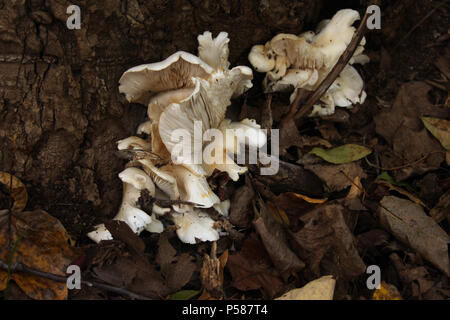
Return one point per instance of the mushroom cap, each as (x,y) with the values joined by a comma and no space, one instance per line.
(100,233)
(145,127)
(345,91)
(134,217)
(133,143)
(160,101)
(194,225)
(141,82)
(194,188)
(223,207)
(138,179)
(155,226)
(260,59)
(214,51)
(180,123)
(162,177)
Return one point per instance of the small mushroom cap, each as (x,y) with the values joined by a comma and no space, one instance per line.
(345,91)
(261,60)
(223,207)
(145,127)
(133,143)
(138,179)
(214,51)
(100,233)
(155,226)
(134,217)
(194,188)
(141,82)
(162,177)
(194,225)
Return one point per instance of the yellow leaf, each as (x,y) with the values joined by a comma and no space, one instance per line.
(386,292)
(306,198)
(278,213)
(356,189)
(44,247)
(17,191)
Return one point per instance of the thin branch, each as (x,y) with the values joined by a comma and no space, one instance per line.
(331,77)
(405,165)
(20,267)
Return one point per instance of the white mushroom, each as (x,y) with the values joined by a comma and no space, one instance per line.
(303,61)
(214,51)
(193,225)
(184,93)
(134,181)
(133,143)
(141,82)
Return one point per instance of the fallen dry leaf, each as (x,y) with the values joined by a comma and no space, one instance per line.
(337,177)
(291,178)
(251,269)
(441,211)
(290,206)
(319,289)
(356,189)
(16,189)
(409,223)
(241,212)
(402,128)
(386,292)
(401,191)
(326,244)
(440,129)
(44,246)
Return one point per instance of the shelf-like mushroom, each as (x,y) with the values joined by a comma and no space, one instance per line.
(294,62)
(185,93)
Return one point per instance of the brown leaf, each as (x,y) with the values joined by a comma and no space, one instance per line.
(327,245)
(177,270)
(16,190)
(292,178)
(251,269)
(241,212)
(337,177)
(121,231)
(403,129)
(289,135)
(44,246)
(281,255)
(442,209)
(409,223)
(295,205)
(179,273)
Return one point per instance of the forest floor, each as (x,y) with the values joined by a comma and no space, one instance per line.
(315,218)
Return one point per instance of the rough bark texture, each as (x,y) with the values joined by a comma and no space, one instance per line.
(60,110)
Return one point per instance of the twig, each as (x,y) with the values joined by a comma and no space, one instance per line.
(20,267)
(402,166)
(419,23)
(338,67)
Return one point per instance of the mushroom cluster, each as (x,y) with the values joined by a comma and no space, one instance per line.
(303,61)
(183,92)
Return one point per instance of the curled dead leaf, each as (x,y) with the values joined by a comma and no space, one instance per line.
(44,246)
